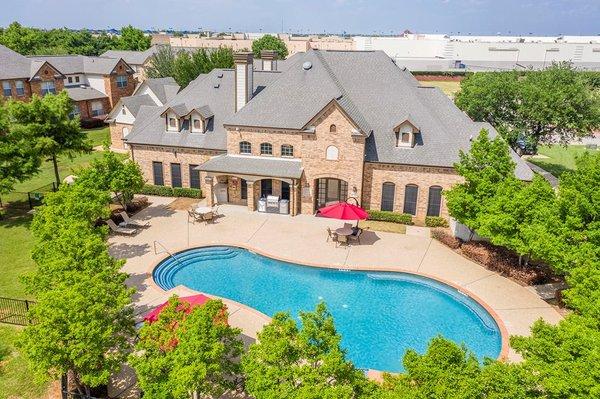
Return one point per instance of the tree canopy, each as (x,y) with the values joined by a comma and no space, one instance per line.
(47,122)
(187,350)
(132,39)
(270,42)
(186,66)
(555,104)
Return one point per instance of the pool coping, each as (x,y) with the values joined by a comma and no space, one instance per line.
(375,374)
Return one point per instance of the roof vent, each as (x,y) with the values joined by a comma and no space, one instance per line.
(216,86)
(220,75)
(307,65)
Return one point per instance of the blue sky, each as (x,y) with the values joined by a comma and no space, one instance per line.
(541,17)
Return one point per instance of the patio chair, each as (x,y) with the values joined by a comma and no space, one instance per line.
(342,240)
(196,217)
(129,222)
(120,230)
(208,217)
(332,235)
(356,235)
(348,225)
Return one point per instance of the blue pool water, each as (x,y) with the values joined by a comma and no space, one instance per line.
(380,315)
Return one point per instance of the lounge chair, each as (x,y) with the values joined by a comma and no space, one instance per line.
(120,230)
(129,222)
(332,235)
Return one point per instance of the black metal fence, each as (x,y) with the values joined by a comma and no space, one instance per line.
(26,199)
(14,311)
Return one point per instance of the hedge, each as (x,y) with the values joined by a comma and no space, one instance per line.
(165,191)
(435,221)
(387,216)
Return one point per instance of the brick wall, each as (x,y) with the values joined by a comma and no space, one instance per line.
(312,148)
(85,107)
(116,134)
(26,86)
(375,174)
(145,155)
(46,73)
(115,93)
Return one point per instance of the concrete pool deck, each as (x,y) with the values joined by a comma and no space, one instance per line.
(302,239)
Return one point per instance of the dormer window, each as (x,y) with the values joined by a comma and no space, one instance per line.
(197,125)
(405,134)
(173,123)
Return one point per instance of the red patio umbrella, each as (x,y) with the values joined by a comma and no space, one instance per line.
(194,301)
(344,211)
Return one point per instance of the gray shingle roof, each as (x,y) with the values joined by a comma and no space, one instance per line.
(164,88)
(72,64)
(132,57)
(13,65)
(150,128)
(134,103)
(84,93)
(254,166)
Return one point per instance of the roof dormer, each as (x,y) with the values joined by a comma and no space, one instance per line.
(406,134)
(199,119)
(172,121)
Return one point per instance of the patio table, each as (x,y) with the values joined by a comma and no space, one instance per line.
(203,209)
(344,231)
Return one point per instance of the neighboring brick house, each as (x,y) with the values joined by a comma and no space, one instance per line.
(95,84)
(138,60)
(333,125)
(151,92)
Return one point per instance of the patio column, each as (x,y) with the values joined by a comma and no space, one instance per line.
(209,191)
(250,195)
(294,199)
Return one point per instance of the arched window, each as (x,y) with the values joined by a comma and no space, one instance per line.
(125,131)
(332,153)
(266,149)
(388,192)
(287,150)
(411,192)
(435,201)
(245,147)
(332,129)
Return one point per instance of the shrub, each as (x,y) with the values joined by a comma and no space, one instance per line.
(165,191)
(445,237)
(435,221)
(387,216)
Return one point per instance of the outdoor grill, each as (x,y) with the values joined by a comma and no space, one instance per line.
(272,201)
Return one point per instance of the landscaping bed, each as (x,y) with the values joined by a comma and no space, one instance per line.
(498,259)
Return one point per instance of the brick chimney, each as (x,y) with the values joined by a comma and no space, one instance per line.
(243,78)
(269,60)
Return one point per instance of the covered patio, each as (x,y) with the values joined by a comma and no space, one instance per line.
(262,184)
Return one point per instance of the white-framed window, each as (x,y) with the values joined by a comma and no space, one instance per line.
(125,131)
(245,147)
(172,123)
(70,79)
(6,89)
(197,125)
(266,149)
(76,79)
(287,150)
(97,108)
(123,111)
(332,153)
(121,81)
(20,86)
(48,88)
(405,136)
(75,111)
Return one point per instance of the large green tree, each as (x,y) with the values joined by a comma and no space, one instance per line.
(484,167)
(123,177)
(19,159)
(46,120)
(186,66)
(187,350)
(557,103)
(133,39)
(306,362)
(270,42)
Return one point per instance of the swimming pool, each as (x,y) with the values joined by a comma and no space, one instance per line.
(379,314)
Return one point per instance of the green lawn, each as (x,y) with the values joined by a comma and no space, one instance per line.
(99,135)
(450,88)
(560,158)
(15,380)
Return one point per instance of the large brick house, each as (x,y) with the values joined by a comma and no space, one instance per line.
(95,84)
(334,125)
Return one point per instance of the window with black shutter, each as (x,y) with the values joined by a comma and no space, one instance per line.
(157,171)
(388,192)
(175,175)
(194,177)
(411,191)
(435,201)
